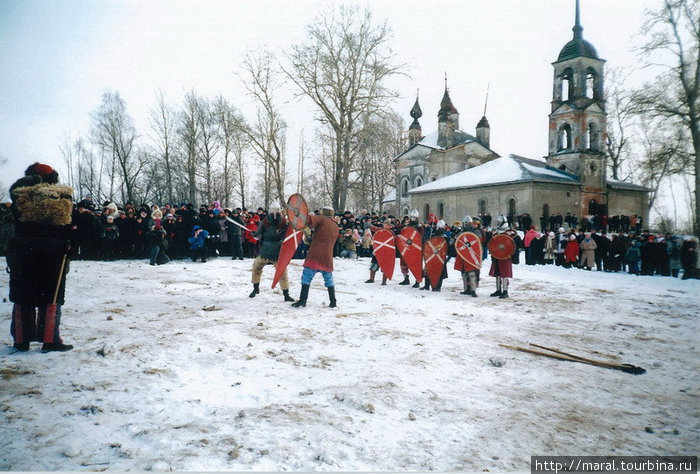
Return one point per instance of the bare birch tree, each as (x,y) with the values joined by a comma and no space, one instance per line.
(189,135)
(618,139)
(675,94)
(232,139)
(163,123)
(113,130)
(267,134)
(342,67)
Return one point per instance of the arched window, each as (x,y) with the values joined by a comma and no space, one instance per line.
(482,207)
(567,85)
(593,207)
(441,210)
(593,137)
(426,211)
(545,210)
(419,181)
(404,187)
(564,137)
(591,83)
(512,207)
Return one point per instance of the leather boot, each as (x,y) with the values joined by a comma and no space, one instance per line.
(302,297)
(371,277)
(256,290)
(286,296)
(405,281)
(384,280)
(331,296)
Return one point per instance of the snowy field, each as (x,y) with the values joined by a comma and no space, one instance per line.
(175,368)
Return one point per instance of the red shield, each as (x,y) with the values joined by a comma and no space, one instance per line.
(385,251)
(435,256)
(297,211)
(291,241)
(468,246)
(501,247)
(410,247)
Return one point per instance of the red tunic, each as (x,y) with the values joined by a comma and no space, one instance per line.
(501,268)
(320,254)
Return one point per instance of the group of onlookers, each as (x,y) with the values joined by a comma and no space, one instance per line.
(109,232)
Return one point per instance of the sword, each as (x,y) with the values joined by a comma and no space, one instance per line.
(240,225)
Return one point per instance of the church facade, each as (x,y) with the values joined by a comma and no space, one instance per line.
(451,173)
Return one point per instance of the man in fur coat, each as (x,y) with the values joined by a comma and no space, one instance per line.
(42,210)
(320,255)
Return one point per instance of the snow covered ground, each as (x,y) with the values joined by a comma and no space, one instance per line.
(175,368)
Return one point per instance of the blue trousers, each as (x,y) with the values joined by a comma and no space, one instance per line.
(308,274)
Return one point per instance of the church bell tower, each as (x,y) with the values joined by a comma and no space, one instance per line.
(577,123)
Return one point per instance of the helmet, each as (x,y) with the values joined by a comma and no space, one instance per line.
(467,219)
(414,214)
(441,224)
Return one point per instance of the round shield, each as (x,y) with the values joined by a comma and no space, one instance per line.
(297,211)
(501,247)
(468,247)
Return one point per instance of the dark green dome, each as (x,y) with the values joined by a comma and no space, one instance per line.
(576,48)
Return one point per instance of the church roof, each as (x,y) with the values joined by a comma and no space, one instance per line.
(459,137)
(505,170)
(577,47)
(617,184)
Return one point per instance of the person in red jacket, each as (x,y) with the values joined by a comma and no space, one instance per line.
(571,252)
(320,255)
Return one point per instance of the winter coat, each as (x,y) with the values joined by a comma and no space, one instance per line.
(271,233)
(633,254)
(197,240)
(320,254)
(673,249)
(38,251)
(588,246)
(156,237)
(110,232)
(571,252)
(550,248)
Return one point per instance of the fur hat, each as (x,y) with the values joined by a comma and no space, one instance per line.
(47,174)
(157,214)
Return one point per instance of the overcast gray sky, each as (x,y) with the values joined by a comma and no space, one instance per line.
(58,58)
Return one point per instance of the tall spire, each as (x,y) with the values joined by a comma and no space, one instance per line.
(578,29)
(416,113)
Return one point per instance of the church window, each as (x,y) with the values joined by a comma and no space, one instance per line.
(567,85)
(404,187)
(419,181)
(592,137)
(564,137)
(441,210)
(512,206)
(545,210)
(426,211)
(562,167)
(592,166)
(482,207)
(591,83)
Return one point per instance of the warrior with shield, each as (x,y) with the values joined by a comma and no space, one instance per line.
(270,233)
(410,245)
(502,247)
(468,247)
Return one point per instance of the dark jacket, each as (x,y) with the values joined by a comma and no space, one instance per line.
(270,233)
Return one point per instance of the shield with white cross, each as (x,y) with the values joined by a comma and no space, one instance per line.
(385,251)
(292,239)
(435,257)
(410,245)
(468,247)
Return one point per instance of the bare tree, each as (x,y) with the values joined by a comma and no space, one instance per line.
(675,94)
(342,68)
(189,135)
(376,171)
(208,147)
(113,130)
(662,155)
(267,134)
(232,139)
(620,119)
(163,122)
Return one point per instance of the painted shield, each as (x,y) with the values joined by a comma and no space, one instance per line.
(501,247)
(385,251)
(410,246)
(291,241)
(297,211)
(468,246)
(435,257)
